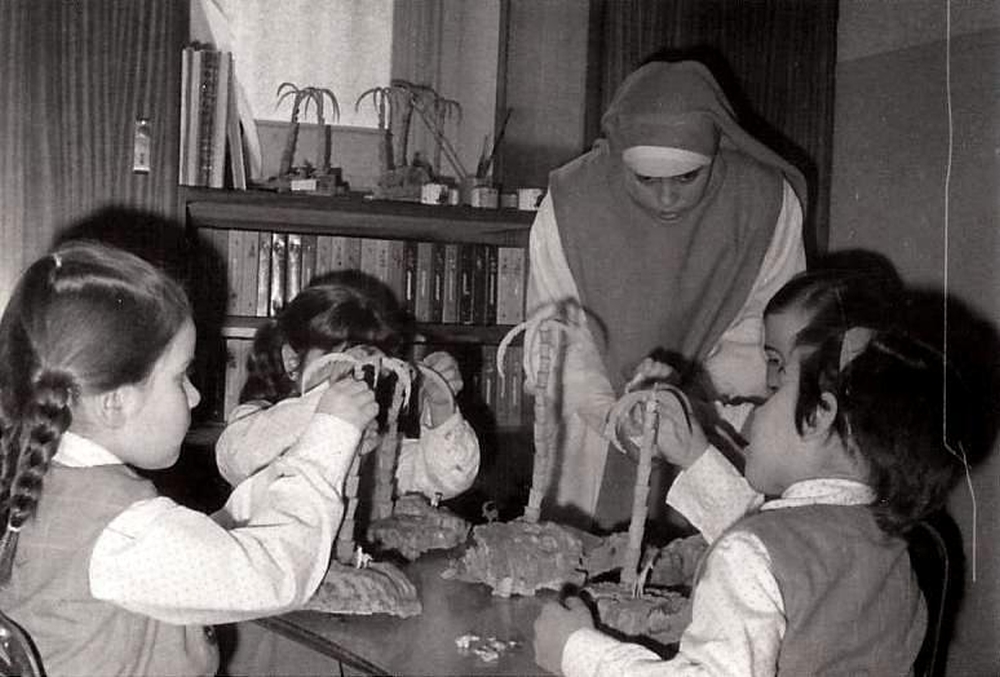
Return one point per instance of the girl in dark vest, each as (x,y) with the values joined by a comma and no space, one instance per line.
(815,580)
(106,576)
(672,233)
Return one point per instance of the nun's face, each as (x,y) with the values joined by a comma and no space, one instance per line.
(668,198)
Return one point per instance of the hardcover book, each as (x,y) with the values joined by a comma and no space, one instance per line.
(449,307)
(263,274)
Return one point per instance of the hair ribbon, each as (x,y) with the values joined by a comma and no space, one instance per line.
(855,340)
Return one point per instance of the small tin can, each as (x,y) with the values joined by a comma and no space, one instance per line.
(433,193)
(528,199)
(484,197)
(508,200)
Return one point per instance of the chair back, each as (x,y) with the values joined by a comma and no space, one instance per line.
(18,655)
(938,571)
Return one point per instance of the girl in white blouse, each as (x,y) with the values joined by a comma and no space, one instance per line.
(106,576)
(287,375)
(849,448)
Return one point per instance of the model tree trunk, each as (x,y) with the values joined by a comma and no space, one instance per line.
(640,496)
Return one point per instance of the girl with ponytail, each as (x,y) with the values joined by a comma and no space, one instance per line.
(105,575)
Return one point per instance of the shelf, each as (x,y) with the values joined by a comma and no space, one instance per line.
(355,215)
(245,327)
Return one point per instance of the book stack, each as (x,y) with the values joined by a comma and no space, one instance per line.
(211,138)
(435,282)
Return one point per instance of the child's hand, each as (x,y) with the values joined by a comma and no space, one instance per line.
(555,623)
(680,439)
(647,371)
(349,400)
(433,396)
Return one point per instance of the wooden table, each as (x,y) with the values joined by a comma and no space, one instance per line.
(424,644)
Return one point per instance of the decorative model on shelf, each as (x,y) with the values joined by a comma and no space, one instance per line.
(403,176)
(319,178)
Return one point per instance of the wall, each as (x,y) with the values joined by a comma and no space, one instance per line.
(546,88)
(890,165)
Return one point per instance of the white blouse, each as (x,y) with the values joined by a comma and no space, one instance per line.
(738,615)
(736,363)
(443,460)
(265,552)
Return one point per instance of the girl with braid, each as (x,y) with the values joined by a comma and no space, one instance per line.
(106,576)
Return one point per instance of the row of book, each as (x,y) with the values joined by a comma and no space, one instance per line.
(211,138)
(503,395)
(435,282)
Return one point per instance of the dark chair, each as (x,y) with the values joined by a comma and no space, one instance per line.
(939,573)
(18,655)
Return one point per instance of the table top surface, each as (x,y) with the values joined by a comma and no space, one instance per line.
(426,644)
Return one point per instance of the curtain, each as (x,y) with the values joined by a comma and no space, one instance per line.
(75,77)
(775,58)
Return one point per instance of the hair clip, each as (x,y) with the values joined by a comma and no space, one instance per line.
(855,340)
(57,260)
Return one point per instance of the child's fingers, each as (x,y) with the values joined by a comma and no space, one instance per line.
(447,368)
(649,370)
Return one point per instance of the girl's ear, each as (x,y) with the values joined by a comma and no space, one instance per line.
(111,409)
(290,360)
(820,421)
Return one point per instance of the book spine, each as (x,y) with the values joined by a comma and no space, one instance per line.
(449,309)
(339,258)
(263,274)
(503,286)
(479,284)
(219,119)
(518,281)
(247,302)
(293,266)
(324,254)
(194,113)
(409,298)
(396,275)
(515,389)
(234,270)
(466,275)
(488,379)
(279,257)
(492,264)
(352,253)
(309,243)
(184,121)
(437,283)
(206,114)
(425,252)
(234,137)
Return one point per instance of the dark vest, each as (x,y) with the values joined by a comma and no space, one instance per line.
(49,592)
(852,604)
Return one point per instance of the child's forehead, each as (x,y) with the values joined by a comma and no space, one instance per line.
(783,326)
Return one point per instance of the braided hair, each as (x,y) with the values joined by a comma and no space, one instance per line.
(84,320)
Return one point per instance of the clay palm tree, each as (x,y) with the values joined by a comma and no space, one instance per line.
(302,97)
(651,401)
(544,330)
(382,101)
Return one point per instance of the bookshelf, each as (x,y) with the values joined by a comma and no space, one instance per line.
(220,220)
